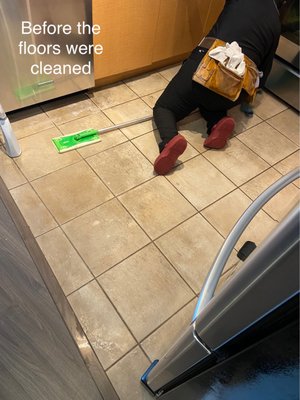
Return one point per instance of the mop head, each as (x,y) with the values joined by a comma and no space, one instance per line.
(76,140)
(90,136)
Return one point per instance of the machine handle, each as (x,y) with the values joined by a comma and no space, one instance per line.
(212,278)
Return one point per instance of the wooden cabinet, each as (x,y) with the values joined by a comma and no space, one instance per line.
(174,33)
(182,24)
(179,27)
(138,35)
(127,34)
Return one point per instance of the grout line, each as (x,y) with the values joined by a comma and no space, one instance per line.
(176,226)
(139,223)
(135,220)
(120,262)
(170,317)
(56,170)
(175,269)
(139,344)
(38,132)
(251,200)
(117,312)
(120,316)
(39,198)
(125,355)
(281,133)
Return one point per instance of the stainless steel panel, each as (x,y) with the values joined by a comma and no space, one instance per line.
(269,277)
(283,81)
(19,87)
(268,370)
(288,51)
(187,352)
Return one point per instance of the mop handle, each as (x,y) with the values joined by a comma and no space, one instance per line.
(125,124)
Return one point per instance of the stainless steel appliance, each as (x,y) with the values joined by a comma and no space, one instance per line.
(28,54)
(283,80)
(230,350)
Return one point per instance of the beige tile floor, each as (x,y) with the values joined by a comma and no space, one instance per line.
(131,249)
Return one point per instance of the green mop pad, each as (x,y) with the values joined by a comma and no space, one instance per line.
(78,139)
(90,136)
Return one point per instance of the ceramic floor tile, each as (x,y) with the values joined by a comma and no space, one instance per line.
(105,236)
(148,145)
(267,105)
(169,72)
(29,121)
(242,122)
(122,167)
(33,210)
(268,143)
(237,162)
(96,121)
(193,128)
(71,191)
(157,206)
(39,156)
(68,267)
(142,290)
(69,108)
(281,203)
(126,374)
(200,182)
(147,84)
(112,95)
(9,171)
(151,99)
(287,122)
(225,213)
(104,328)
(288,164)
(192,247)
(157,344)
(130,111)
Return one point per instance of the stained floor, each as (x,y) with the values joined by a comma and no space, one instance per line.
(131,249)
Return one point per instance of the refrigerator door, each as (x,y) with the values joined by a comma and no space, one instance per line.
(239,315)
(268,370)
(268,278)
(20,51)
(232,321)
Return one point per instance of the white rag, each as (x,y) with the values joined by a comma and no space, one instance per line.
(230,56)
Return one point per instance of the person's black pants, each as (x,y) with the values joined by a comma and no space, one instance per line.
(183,95)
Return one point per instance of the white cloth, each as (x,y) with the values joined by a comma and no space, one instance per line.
(230,56)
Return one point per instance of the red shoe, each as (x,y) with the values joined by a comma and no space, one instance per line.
(168,157)
(220,133)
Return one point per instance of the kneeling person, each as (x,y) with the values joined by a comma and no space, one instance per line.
(242,21)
